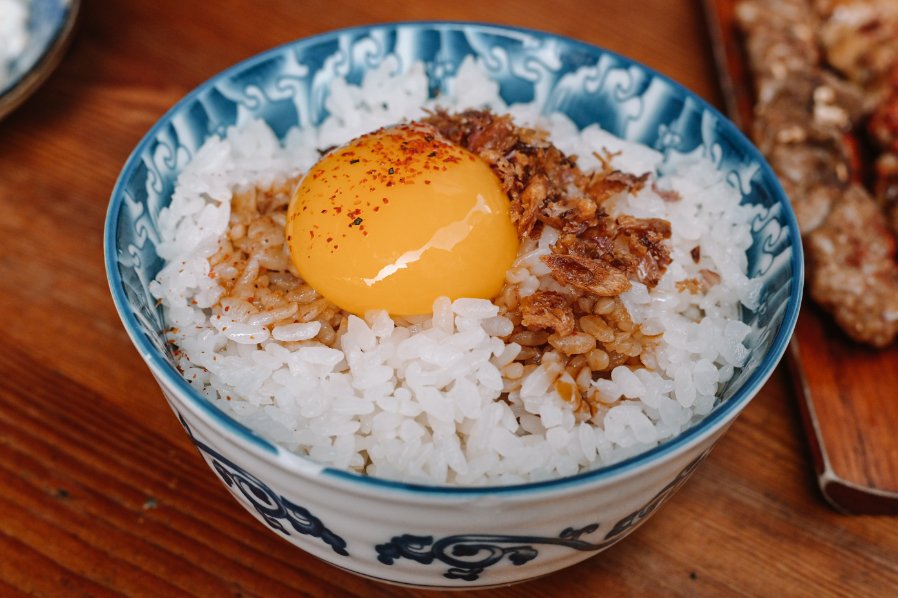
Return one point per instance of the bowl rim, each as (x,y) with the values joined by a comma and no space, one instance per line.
(301,465)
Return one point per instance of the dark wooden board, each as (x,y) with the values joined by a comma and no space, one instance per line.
(848,393)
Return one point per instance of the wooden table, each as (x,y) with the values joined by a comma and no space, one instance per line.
(100,490)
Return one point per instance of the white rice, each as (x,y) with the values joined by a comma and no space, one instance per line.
(422,403)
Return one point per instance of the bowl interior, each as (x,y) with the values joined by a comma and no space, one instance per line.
(287,86)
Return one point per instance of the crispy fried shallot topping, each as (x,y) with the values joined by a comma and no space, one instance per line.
(548,310)
(596,253)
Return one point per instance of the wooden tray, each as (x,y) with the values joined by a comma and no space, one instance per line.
(848,393)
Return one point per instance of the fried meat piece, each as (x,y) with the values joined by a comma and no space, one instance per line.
(802,114)
(779,37)
(801,128)
(859,39)
(852,270)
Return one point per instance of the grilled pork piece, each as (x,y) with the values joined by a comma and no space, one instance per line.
(859,39)
(851,269)
(801,113)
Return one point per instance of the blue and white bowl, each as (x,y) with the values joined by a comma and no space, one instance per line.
(438,536)
(49,27)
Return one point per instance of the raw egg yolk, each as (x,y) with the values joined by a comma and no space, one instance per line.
(397,218)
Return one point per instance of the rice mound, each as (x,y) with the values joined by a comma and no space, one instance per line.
(440,400)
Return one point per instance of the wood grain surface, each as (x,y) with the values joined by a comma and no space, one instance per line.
(102,494)
(846,391)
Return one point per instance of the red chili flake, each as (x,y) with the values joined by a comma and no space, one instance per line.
(426,182)
(386,200)
(376,208)
(356,161)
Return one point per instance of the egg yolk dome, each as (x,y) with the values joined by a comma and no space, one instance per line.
(397,218)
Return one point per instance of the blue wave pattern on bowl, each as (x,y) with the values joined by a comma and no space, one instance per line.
(46,19)
(286,87)
(469,555)
(273,509)
(466,556)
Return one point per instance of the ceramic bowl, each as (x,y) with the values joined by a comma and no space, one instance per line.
(439,536)
(49,26)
